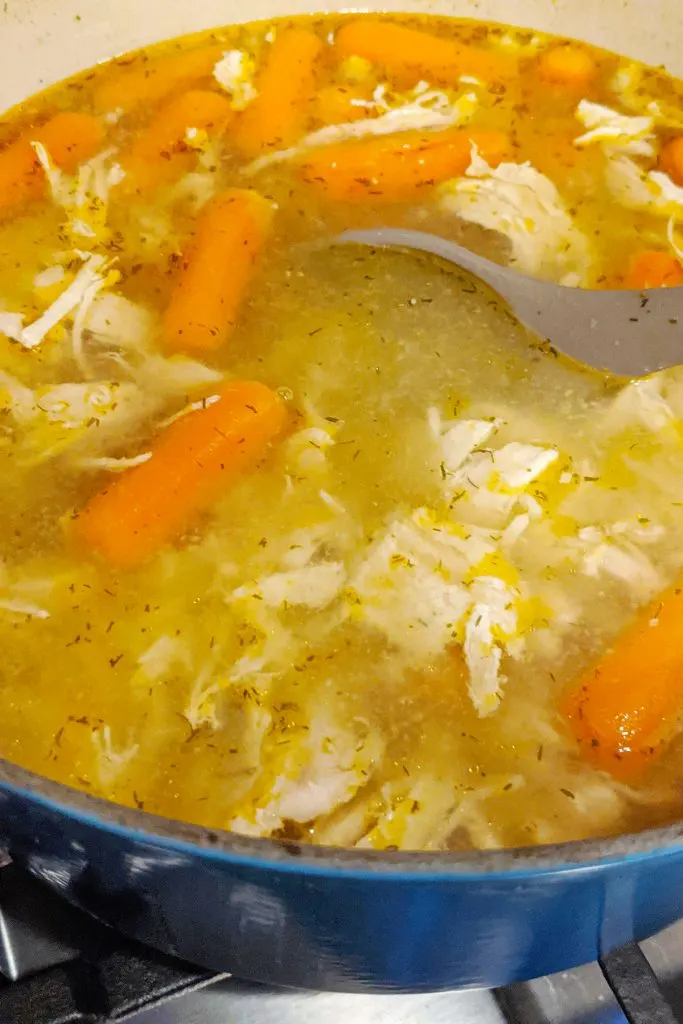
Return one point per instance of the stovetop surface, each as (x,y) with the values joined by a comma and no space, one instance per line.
(96,977)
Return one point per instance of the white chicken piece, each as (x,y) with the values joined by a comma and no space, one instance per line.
(235,72)
(641,402)
(609,128)
(616,550)
(627,85)
(417,813)
(457,439)
(633,182)
(410,585)
(492,622)
(60,416)
(209,683)
(165,655)
(321,768)
(24,595)
(518,45)
(111,761)
(639,188)
(306,450)
(299,548)
(116,321)
(294,575)
(519,202)
(95,415)
(84,196)
(625,563)
(490,485)
(613,550)
(414,816)
(81,291)
(423,109)
(314,586)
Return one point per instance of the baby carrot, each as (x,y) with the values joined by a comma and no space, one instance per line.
(671,159)
(394,168)
(629,705)
(409,54)
(161,153)
(194,461)
(286,85)
(69,138)
(568,66)
(338,104)
(155,80)
(654,269)
(216,272)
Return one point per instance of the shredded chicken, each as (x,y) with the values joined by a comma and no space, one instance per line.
(632,135)
(424,108)
(235,73)
(321,768)
(524,205)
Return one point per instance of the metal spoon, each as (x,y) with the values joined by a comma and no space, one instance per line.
(628,333)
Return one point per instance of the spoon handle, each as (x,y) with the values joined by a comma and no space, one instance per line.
(499,278)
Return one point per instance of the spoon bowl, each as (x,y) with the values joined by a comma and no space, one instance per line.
(624,332)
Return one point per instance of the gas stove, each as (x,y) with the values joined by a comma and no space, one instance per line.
(59,967)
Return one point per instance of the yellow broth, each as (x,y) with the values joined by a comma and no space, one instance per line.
(175,686)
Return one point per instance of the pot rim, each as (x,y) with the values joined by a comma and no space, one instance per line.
(303,858)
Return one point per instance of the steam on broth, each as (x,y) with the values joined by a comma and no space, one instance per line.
(319,543)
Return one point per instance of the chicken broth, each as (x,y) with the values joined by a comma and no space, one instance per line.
(317,542)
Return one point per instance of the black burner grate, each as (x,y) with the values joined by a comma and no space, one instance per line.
(60,967)
(629,975)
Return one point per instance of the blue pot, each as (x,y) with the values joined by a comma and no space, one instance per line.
(308,917)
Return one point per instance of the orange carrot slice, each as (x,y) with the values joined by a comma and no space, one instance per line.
(194,461)
(69,138)
(339,104)
(161,153)
(410,54)
(671,159)
(568,66)
(155,80)
(394,168)
(629,705)
(654,269)
(216,272)
(286,85)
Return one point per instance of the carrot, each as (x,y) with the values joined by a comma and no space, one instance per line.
(629,705)
(568,66)
(653,269)
(409,54)
(394,168)
(285,86)
(219,265)
(161,153)
(69,138)
(155,80)
(671,159)
(338,104)
(194,461)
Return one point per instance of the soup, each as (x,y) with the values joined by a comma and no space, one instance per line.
(316,542)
